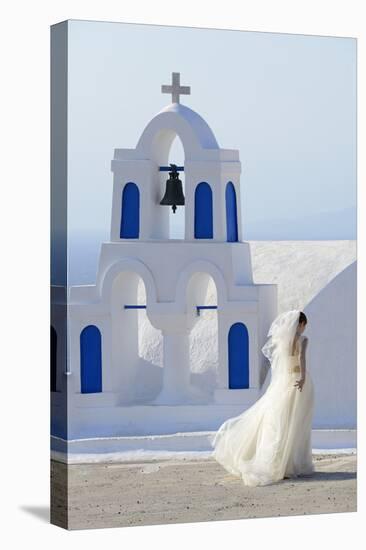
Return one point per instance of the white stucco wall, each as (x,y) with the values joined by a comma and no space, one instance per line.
(301,268)
(332,351)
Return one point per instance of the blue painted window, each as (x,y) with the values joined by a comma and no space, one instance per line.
(238,349)
(203,219)
(231,213)
(53,359)
(130,215)
(90,360)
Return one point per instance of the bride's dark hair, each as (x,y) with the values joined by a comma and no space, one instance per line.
(302,318)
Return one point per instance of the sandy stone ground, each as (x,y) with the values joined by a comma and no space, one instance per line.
(181,491)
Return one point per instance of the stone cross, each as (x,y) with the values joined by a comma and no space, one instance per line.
(175,88)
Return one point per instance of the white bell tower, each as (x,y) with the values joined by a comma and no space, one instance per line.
(176,273)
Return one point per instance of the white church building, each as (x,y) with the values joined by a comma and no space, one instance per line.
(106,395)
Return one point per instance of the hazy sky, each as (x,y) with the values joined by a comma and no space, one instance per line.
(286,102)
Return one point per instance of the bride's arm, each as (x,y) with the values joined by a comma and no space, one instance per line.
(303,358)
(299,383)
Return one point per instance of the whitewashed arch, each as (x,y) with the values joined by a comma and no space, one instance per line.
(128,264)
(176,119)
(205,267)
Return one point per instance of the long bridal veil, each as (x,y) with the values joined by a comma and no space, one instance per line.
(261,442)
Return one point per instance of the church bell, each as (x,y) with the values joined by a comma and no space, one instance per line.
(174,190)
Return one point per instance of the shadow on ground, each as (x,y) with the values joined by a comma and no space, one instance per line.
(40,512)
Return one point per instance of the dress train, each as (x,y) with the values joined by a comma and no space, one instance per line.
(272,439)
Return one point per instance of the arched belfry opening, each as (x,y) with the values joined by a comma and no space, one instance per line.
(169,153)
(231,213)
(203,211)
(177,218)
(136,370)
(130,211)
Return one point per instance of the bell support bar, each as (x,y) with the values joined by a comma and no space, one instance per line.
(169,168)
(144,307)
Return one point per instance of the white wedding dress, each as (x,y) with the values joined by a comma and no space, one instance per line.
(272,439)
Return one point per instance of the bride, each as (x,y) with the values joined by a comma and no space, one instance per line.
(272,439)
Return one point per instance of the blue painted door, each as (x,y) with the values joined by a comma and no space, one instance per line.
(231,213)
(203,218)
(238,350)
(130,214)
(53,359)
(90,360)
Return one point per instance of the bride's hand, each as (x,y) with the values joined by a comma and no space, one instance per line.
(300,383)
